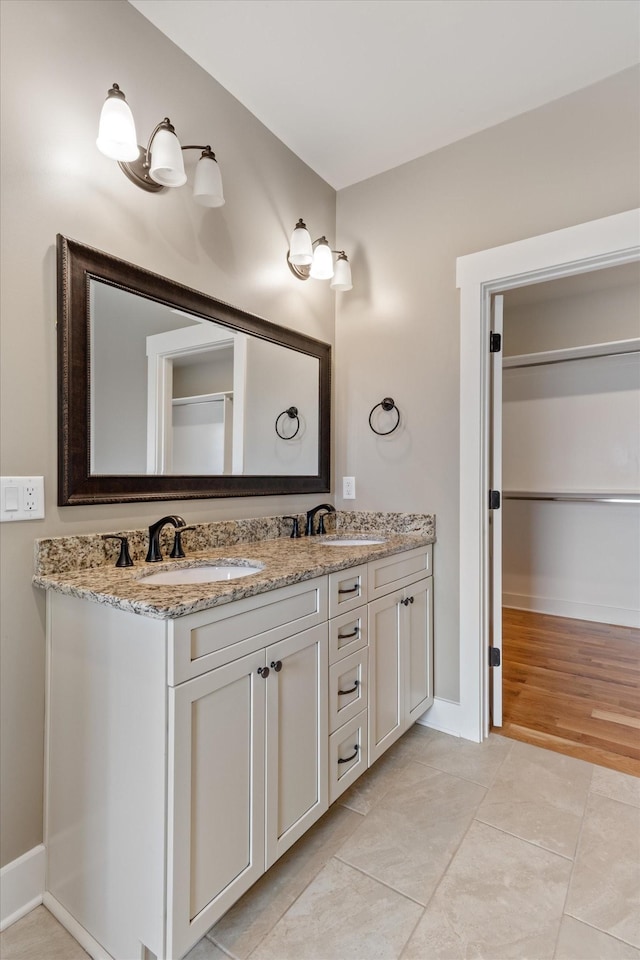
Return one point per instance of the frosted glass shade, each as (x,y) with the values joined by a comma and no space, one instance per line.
(207,183)
(342,274)
(300,247)
(167,165)
(322,266)
(117,132)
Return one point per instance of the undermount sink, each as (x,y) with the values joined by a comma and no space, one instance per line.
(207,573)
(353,541)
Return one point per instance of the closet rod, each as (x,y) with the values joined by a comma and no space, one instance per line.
(572,497)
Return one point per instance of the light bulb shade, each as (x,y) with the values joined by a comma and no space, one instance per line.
(207,182)
(300,247)
(167,165)
(117,132)
(322,266)
(342,274)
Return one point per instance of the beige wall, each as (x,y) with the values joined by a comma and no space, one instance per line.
(59,58)
(397,332)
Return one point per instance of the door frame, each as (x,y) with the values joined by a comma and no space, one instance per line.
(595,245)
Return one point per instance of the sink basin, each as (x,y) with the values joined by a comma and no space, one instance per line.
(208,573)
(353,541)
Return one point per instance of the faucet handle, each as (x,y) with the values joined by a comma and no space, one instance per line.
(295,529)
(178,553)
(124,558)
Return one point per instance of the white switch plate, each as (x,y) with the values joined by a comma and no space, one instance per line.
(348,488)
(21,498)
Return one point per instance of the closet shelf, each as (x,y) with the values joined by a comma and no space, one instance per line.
(613,348)
(202,398)
(571,496)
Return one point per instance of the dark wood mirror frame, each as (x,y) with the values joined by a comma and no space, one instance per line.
(77,265)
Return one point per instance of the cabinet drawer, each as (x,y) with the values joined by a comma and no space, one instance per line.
(347,633)
(211,638)
(391,573)
(347,688)
(347,755)
(347,589)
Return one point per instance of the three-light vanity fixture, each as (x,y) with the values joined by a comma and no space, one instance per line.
(314,258)
(160,164)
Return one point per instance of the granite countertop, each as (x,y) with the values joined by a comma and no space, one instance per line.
(284,561)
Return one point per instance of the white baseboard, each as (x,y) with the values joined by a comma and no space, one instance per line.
(597,613)
(76,930)
(447,717)
(22,885)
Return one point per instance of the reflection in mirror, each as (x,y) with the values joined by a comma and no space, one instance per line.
(166,393)
(196,397)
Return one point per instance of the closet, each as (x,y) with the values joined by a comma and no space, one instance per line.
(571,511)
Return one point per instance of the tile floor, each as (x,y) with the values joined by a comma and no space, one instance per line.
(444,849)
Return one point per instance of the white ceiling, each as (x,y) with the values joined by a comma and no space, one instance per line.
(356,87)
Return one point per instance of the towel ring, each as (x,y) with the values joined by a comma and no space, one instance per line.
(292,413)
(387,404)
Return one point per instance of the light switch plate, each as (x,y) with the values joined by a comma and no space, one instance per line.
(21,498)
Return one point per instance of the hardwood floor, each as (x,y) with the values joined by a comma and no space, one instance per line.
(572,686)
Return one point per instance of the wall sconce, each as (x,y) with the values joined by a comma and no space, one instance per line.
(161,164)
(307,258)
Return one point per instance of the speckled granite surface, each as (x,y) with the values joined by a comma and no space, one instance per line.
(84,566)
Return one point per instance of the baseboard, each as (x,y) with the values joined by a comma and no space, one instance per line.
(22,885)
(447,717)
(76,929)
(597,613)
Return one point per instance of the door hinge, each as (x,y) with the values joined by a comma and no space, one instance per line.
(494,499)
(494,656)
(495,343)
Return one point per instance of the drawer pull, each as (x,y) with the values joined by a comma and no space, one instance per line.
(347,636)
(352,757)
(264,672)
(276,665)
(356,684)
(349,590)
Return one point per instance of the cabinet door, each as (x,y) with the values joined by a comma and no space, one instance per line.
(386,683)
(216,796)
(418,649)
(297,738)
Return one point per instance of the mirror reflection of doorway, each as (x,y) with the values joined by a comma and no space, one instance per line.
(571,516)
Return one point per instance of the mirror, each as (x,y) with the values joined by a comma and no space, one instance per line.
(166,393)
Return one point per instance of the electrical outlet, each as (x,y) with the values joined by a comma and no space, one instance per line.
(21,498)
(348,488)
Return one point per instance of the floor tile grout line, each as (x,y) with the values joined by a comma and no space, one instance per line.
(573,864)
(532,843)
(627,943)
(382,883)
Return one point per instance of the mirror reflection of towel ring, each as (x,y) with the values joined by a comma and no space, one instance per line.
(292,413)
(387,404)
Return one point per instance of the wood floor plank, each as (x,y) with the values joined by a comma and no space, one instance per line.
(573,686)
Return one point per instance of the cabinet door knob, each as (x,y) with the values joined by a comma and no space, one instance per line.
(264,672)
(356,684)
(352,757)
(276,665)
(407,601)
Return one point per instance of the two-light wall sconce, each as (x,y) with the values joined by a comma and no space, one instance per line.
(160,164)
(314,258)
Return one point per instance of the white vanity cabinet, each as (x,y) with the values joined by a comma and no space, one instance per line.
(400,627)
(184,756)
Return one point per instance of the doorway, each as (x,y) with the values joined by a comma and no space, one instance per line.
(590,246)
(569,582)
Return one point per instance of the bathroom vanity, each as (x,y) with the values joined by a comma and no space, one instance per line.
(195,732)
